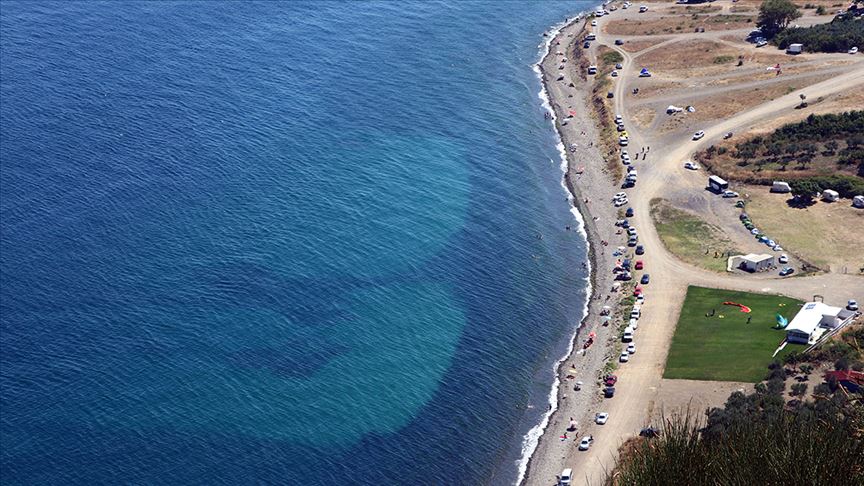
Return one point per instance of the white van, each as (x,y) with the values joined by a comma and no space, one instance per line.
(566,477)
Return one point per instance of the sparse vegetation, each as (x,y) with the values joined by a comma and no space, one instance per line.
(839,35)
(723,59)
(690,238)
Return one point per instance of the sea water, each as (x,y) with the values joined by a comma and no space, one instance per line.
(282,243)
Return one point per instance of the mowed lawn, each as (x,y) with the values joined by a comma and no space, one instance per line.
(724,347)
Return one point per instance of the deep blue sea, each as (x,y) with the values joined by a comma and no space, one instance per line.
(278,243)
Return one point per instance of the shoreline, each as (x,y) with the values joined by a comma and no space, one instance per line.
(534,466)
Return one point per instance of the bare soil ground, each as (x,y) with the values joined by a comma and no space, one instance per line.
(698,396)
(731,102)
(827,234)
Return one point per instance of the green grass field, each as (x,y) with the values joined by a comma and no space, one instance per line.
(725,347)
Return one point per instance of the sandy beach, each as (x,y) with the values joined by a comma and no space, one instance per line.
(592,188)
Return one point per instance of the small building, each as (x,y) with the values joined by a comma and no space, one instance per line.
(858,202)
(781,187)
(795,49)
(812,320)
(716,184)
(753,262)
(830,195)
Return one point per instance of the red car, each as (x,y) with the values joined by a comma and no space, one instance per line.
(639,265)
(611,380)
(637,291)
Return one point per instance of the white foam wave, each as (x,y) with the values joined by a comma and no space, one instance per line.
(532,438)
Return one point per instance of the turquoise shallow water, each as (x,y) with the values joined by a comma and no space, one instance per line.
(278,243)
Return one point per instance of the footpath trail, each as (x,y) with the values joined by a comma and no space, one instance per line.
(637,395)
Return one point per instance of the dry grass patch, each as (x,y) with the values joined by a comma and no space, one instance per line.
(641,45)
(686,54)
(679,24)
(830,235)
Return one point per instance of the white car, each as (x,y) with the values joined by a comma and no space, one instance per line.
(622,141)
(585,443)
(634,323)
(601,418)
(640,299)
(783,258)
(621,202)
(625,357)
(614,74)
(619,119)
(854,50)
(728,194)
(761,43)
(643,9)
(691,166)
(566,477)
(631,349)
(631,231)
(625,159)
(698,135)
(621,195)
(594,23)
(777,248)
(852,305)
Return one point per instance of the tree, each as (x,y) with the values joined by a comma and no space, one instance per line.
(804,190)
(775,15)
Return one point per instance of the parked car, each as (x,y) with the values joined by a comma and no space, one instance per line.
(631,349)
(609,391)
(619,119)
(601,418)
(625,357)
(640,250)
(783,258)
(594,23)
(761,43)
(585,443)
(611,380)
(628,336)
(854,50)
(698,135)
(852,305)
(614,74)
(787,271)
(645,279)
(566,477)
(727,136)
(643,9)
(586,45)
(632,231)
(629,213)
(622,141)
(730,194)
(610,94)
(691,166)
(633,241)
(619,42)
(640,265)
